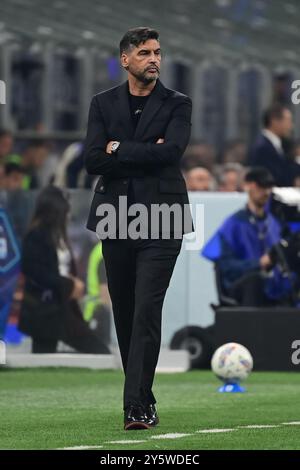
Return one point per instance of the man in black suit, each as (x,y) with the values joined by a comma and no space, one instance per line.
(137,133)
(268,151)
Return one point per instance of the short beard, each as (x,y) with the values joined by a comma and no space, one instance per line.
(142,78)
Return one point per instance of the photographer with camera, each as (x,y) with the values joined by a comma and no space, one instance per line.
(243,248)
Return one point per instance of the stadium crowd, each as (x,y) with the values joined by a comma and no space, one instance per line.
(38,163)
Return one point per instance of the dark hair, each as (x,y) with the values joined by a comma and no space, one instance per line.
(51,211)
(13,168)
(273,112)
(260,176)
(136,36)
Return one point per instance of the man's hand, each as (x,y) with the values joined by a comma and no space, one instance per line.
(108,147)
(78,289)
(265,262)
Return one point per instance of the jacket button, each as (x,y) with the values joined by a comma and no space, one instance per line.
(125,182)
(101,188)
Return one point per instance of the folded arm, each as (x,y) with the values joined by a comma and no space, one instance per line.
(150,155)
(97,161)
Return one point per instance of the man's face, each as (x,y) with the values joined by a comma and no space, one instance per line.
(258,196)
(230,182)
(198,179)
(283,126)
(143,61)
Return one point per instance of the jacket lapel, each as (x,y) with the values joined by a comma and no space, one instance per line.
(155,101)
(123,109)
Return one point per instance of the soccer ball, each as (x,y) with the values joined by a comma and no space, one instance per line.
(232,363)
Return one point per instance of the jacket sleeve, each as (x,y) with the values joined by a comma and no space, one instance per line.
(146,154)
(97,161)
(35,266)
(232,267)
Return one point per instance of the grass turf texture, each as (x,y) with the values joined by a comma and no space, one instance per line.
(56,408)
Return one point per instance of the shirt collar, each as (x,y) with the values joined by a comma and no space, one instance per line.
(274,139)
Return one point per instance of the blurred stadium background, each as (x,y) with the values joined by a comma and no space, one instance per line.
(234,58)
(231,56)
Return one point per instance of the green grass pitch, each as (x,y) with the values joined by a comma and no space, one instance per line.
(57,408)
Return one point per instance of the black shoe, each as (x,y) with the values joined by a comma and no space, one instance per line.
(151,414)
(135,418)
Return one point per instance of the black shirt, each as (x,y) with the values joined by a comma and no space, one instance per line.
(137,104)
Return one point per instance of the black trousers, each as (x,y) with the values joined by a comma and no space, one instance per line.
(138,275)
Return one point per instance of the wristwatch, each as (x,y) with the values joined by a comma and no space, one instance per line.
(115,146)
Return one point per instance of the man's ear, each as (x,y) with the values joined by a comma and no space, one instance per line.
(124,60)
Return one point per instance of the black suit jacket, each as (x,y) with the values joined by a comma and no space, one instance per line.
(265,154)
(153,169)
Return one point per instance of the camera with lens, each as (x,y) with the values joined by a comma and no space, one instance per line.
(285,206)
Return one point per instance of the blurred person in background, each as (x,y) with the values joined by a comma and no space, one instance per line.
(235,151)
(295,155)
(33,158)
(2,176)
(241,248)
(199,154)
(13,177)
(9,267)
(50,311)
(6,144)
(70,171)
(97,310)
(296,152)
(268,151)
(230,177)
(199,179)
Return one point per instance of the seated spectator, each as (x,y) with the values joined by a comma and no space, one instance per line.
(235,151)
(50,310)
(199,179)
(33,158)
(2,176)
(240,248)
(268,150)
(6,144)
(13,176)
(199,154)
(230,177)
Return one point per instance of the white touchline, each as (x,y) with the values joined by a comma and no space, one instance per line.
(292,423)
(175,435)
(204,431)
(125,442)
(259,426)
(80,447)
(179,435)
